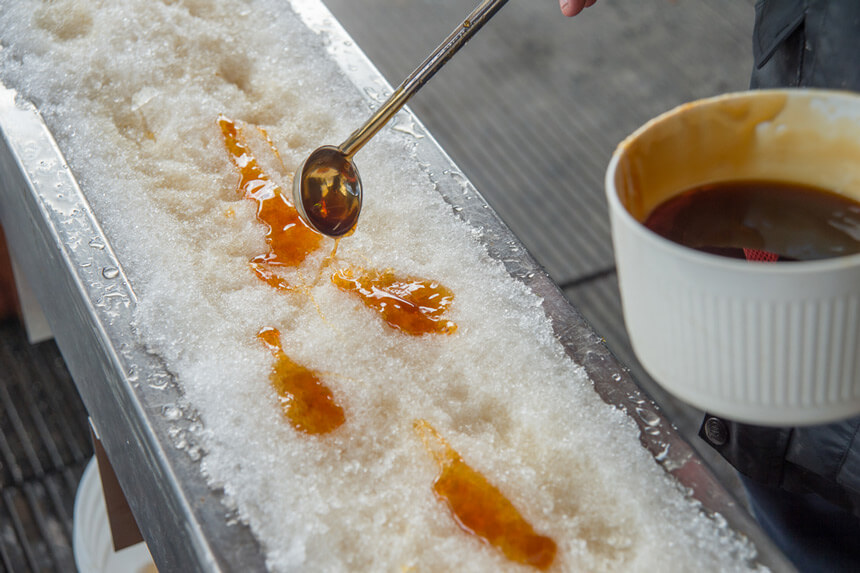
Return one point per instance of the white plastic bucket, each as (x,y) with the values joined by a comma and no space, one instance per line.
(92,543)
(769,344)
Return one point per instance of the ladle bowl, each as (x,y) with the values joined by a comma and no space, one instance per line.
(327,191)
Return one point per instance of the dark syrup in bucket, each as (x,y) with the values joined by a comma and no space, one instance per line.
(761,220)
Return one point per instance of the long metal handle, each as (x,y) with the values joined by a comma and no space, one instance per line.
(446,50)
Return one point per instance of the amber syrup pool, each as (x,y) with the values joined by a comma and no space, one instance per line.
(761,220)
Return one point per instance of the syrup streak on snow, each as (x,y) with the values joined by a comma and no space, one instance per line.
(306,401)
(480,508)
(413,306)
(290,240)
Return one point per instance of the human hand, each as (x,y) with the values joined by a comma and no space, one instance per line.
(574,7)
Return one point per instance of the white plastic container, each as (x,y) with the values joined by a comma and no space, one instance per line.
(769,344)
(92,543)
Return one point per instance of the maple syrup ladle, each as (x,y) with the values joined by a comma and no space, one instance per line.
(327,188)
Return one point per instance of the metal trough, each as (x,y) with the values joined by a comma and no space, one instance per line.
(58,244)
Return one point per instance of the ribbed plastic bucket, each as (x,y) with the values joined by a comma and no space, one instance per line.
(92,542)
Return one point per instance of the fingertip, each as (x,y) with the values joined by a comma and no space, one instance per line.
(565,7)
(571,7)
